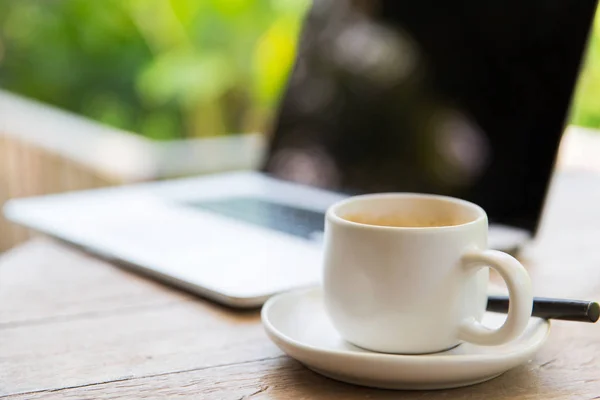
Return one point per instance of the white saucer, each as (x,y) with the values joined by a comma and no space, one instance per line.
(297,323)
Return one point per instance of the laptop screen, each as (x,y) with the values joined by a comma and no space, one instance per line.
(465,98)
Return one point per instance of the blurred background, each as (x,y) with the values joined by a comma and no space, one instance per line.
(189,86)
(171,69)
(166,69)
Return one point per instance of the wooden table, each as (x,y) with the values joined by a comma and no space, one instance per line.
(75,327)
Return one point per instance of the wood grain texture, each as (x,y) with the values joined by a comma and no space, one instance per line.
(550,376)
(42,281)
(68,319)
(75,327)
(81,351)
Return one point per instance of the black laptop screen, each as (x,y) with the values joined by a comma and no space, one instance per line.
(464,98)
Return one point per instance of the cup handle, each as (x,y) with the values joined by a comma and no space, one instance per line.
(520,294)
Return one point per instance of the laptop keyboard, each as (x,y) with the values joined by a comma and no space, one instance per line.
(301,222)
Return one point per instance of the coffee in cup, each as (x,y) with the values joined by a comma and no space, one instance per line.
(407,273)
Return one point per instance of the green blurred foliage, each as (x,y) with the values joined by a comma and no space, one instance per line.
(164,68)
(585,110)
(176,68)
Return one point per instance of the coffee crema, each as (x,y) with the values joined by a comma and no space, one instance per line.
(402,221)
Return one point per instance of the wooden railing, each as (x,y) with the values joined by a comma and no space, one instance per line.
(27,170)
(44,150)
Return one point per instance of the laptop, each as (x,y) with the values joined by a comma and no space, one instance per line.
(464,99)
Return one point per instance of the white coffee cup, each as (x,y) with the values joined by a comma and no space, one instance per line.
(419,284)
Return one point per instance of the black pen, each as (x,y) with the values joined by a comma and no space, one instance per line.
(547,308)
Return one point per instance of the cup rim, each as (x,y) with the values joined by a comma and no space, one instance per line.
(332,216)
